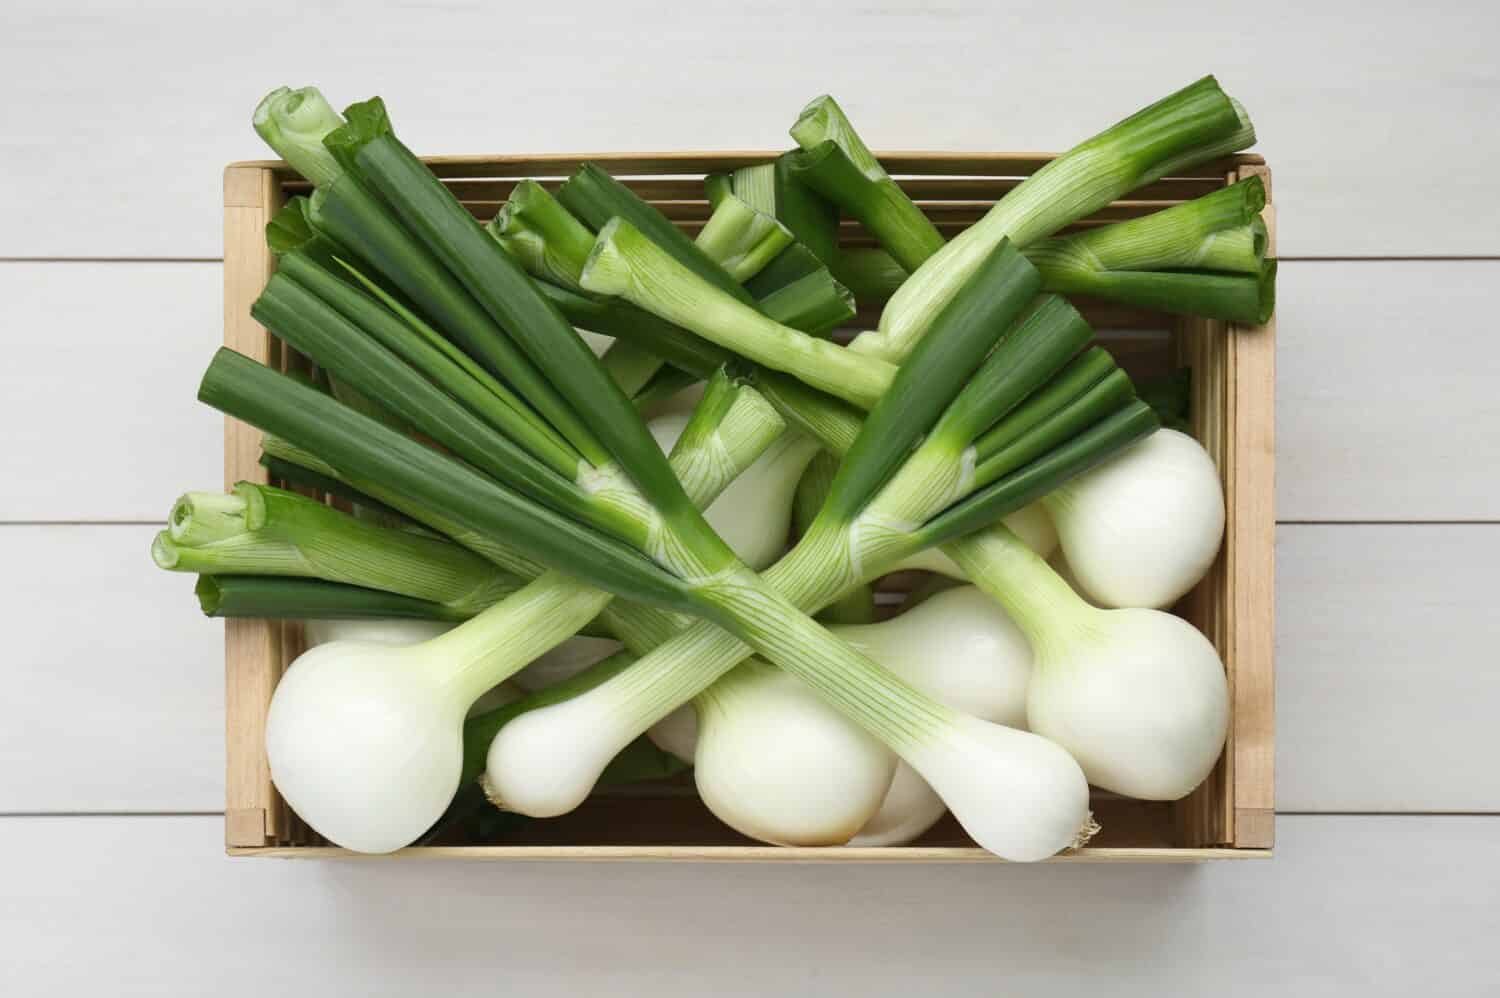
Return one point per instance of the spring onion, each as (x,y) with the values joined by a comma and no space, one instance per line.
(365,787)
(320,318)
(776,763)
(280,597)
(1204,257)
(530,771)
(961,648)
(754,512)
(772,188)
(741,239)
(692,556)
(1143,528)
(1191,126)
(553,245)
(1137,696)
(259,530)
(771,762)
(552,459)
(836,163)
(626,263)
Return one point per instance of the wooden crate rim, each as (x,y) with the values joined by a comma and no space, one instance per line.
(1237,824)
(898,161)
(876,855)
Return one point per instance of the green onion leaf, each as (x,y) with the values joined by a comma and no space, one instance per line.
(287,598)
(961,337)
(363,450)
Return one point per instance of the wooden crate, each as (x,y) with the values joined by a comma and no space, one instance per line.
(1230,816)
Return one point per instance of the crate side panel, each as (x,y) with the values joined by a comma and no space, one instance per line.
(253,652)
(1254,583)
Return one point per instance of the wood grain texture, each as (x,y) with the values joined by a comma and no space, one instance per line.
(1386,400)
(1386,685)
(1364,106)
(98,419)
(150,906)
(1252,524)
(1385,695)
(253,649)
(114,681)
(1376,420)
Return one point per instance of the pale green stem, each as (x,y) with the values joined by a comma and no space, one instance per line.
(293,122)
(205,517)
(543,235)
(1042,604)
(627,264)
(741,239)
(1070,187)
(502,640)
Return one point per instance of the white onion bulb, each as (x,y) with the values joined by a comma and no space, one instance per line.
(1143,528)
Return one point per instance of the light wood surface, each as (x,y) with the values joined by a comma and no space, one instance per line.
(1379,120)
(1384,700)
(1376,420)
(1382,114)
(1368,906)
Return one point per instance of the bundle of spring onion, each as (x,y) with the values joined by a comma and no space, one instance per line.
(491,477)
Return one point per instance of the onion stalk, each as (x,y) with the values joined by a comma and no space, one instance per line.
(1191,126)
(678,563)
(1203,257)
(1137,696)
(529,771)
(741,239)
(279,597)
(387,794)
(837,164)
(773,189)
(813,780)
(260,530)
(626,263)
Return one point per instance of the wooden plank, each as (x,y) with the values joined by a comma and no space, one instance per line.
(1376,419)
(98,419)
(1387,403)
(114,679)
(1250,773)
(1382,906)
(148,176)
(253,655)
(1385,637)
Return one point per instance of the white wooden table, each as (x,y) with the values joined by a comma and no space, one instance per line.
(1380,121)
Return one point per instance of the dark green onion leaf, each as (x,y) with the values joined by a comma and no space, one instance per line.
(511,298)
(595,197)
(357,220)
(1039,345)
(316,329)
(1044,475)
(364,450)
(1111,394)
(960,337)
(289,598)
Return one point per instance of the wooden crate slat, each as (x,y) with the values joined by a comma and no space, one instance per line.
(898,163)
(1252,756)
(252,648)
